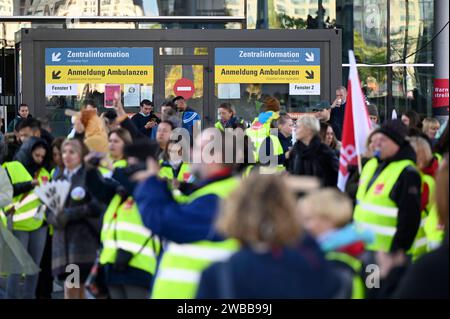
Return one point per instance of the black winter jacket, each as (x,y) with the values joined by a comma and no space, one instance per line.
(140,120)
(428,277)
(315,159)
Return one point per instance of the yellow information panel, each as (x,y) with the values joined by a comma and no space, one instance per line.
(99,74)
(267,74)
(65,68)
(298,67)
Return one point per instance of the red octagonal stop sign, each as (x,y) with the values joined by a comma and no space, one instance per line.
(184,87)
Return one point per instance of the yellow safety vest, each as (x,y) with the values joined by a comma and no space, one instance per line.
(358,288)
(120,163)
(375,210)
(123,228)
(277,150)
(105,172)
(420,246)
(433,230)
(167,172)
(26,206)
(181,265)
(219,124)
(258,132)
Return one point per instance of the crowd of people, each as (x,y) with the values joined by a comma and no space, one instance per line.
(149,215)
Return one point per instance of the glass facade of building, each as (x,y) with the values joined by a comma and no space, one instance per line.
(384,34)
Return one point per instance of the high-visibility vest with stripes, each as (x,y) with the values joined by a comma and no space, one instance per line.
(181,265)
(120,164)
(258,133)
(420,245)
(219,124)
(183,174)
(123,229)
(358,288)
(106,173)
(26,205)
(260,169)
(277,150)
(434,230)
(375,210)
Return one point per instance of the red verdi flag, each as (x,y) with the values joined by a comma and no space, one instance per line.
(356,125)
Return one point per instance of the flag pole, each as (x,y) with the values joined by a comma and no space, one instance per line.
(356,126)
(359,164)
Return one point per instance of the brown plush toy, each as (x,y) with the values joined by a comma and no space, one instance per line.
(95,136)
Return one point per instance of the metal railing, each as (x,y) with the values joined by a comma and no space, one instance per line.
(143,19)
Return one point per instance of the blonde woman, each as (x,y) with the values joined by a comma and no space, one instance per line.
(277,258)
(77,227)
(326,214)
(430,127)
(311,157)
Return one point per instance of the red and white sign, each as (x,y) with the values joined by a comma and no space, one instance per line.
(440,93)
(184,87)
(356,125)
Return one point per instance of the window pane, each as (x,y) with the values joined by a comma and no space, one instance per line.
(249,98)
(183,51)
(369,35)
(56,105)
(7,31)
(194,73)
(374,86)
(200,7)
(303,14)
(126,7)
(411,27)
(412,89)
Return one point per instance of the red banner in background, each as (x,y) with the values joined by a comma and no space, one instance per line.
(440,93)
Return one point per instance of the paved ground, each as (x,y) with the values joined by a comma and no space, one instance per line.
(58,292)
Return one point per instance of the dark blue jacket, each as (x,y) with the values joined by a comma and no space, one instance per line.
(140,121)
(337,120)
(298,272)
(180,223)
